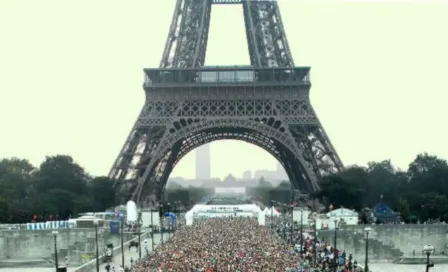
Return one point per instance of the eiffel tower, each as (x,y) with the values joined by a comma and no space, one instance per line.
(188,104)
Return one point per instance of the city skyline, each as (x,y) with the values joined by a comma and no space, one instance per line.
(202,164)
(73,86)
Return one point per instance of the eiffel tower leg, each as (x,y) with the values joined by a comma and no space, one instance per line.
(140,145)
(124,158)
(267,42)
(317,148)
(293,170)
(186,44)
(157,179)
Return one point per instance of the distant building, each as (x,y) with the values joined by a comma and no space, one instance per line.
(247,175)
(269,175)
(230,178)
(281,173)
(272,176)
(203,162)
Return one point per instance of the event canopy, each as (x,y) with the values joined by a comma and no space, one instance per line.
(272,211)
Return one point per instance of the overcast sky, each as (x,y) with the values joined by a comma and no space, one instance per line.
(71,77)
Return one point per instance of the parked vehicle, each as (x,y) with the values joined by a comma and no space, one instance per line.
(108,255)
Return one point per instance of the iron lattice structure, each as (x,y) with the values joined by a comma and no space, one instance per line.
(189,104)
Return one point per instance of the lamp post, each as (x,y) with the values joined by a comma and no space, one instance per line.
(177,211)
(350,258)
(95,223)
(55,235)
(366,264)
(272,216)
(122,239)
(292,224)
(161,223)
(286,210)
(152,230)
(315,237)
(428,250)
(139,222)
(335,244)
(175,215)
(169,224)
(301,230)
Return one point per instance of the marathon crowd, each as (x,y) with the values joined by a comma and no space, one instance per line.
(240,244)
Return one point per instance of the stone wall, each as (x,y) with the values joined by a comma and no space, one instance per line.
(38,244)
(388,242)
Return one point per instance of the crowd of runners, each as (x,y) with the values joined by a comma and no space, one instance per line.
(238,245)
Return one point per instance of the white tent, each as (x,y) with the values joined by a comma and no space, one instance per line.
(261,218)
(276,212)
(189,218)
(266,210)
(346,216)
(272,211)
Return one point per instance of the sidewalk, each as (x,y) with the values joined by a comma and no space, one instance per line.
(133,253)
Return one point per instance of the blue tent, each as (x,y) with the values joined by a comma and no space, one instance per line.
(384,213)
(114,227)
(172,216)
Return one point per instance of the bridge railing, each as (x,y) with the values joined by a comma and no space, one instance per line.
(12,226)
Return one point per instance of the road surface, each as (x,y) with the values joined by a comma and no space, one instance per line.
(389,267)
(133,253)
(117,258)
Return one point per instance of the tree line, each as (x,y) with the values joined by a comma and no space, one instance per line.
(56,190)
(419,193)
(61,188)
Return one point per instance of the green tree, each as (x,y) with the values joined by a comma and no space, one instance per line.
(424,163)
(173,185)
(381,181)
(261,193)
(345,189)
(61,172)
(4,211)
(435,206)
(284,185)
(428,174)
(403,208)
(103,193)
(61,187)
(16,187)
(18,166)
(56,202)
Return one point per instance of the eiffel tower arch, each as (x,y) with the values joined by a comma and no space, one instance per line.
(188,104)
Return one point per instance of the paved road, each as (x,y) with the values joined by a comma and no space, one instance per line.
(386,267)
(133,253)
